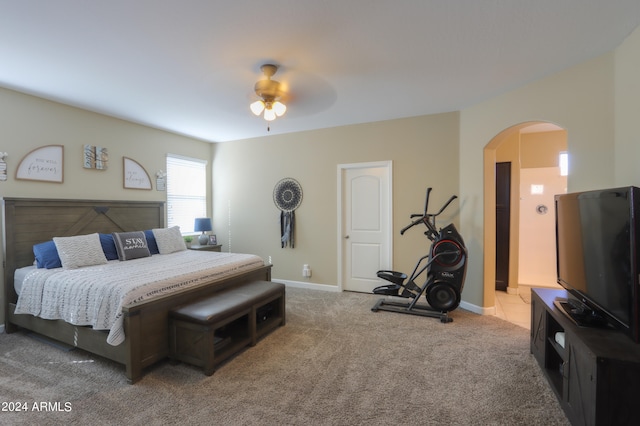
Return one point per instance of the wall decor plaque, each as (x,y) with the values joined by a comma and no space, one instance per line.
(44,164)
(95,157)
(3,166)
(135,176)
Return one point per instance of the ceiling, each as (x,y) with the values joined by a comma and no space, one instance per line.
(189,66)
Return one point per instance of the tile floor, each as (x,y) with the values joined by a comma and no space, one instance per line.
(513,308)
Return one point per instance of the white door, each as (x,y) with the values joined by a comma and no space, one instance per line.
(365,224)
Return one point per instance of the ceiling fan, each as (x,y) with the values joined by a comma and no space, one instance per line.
(270,93)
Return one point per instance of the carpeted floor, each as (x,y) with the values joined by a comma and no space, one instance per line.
(334,363)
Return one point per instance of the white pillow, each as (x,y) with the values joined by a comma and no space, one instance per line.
(169,240)
(81,250)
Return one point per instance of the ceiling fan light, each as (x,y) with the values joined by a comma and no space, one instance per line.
(279,108)
(269,115)
(257,107)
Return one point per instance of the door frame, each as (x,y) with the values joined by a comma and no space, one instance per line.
(388,165)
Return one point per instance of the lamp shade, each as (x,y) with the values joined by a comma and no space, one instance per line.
(269,114)
(257,107)
(202,224)
(279,108)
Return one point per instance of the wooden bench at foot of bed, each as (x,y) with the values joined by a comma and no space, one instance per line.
(208,331)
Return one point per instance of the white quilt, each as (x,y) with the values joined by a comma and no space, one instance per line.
(95,295)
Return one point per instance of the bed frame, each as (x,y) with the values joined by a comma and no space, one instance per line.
(32,221)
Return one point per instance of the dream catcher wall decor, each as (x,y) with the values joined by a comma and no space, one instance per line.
(287,196)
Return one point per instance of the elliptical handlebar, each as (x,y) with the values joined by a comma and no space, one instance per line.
(412,224)
(453,197)
(428,218)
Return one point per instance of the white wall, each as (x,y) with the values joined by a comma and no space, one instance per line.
(537,251)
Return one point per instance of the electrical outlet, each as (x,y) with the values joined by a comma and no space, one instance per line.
(306,271)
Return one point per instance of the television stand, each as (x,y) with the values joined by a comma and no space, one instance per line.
(580,314)
(594,371)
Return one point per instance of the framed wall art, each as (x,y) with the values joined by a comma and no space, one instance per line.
(95,157)
(45,164)
(135,176)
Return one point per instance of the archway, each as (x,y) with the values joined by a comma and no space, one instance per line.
(493,152)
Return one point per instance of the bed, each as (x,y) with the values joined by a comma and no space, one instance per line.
(144,323)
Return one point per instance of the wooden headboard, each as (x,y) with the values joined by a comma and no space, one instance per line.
(32,221)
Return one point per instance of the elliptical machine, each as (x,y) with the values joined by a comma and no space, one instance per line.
(445,267)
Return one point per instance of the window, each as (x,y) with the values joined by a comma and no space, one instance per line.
(186,191)
(564,163)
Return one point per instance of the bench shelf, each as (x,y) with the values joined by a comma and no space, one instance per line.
(211,330)
(269,316)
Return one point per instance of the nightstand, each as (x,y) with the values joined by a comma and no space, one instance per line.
(208,247)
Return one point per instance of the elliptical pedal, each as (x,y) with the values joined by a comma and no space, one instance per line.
(388,289)
(397,278)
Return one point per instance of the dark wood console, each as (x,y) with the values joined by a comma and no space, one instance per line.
(594,371)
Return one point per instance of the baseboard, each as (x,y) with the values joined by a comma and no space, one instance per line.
(310,286)
(326,287)
(481,310)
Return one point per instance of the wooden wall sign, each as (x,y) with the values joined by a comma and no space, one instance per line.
(135,176)
(95,157)
(44,164)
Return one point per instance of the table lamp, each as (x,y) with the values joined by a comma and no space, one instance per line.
(203,224)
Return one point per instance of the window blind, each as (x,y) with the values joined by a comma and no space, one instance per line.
(186,191)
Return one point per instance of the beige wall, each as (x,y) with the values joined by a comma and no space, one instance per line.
(423,150)
(525,150)
(596,102)
(542,149)
(584,100)
(28,122)
(627,95)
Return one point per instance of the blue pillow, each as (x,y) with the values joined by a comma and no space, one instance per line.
(47,255)
(108,246)
(151,242)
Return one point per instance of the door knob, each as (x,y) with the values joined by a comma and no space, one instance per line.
(346,237)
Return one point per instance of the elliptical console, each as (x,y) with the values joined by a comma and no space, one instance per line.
(445,267)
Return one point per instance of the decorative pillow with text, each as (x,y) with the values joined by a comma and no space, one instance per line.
(131,245)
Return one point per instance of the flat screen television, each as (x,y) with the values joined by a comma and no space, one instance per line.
(597,259)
